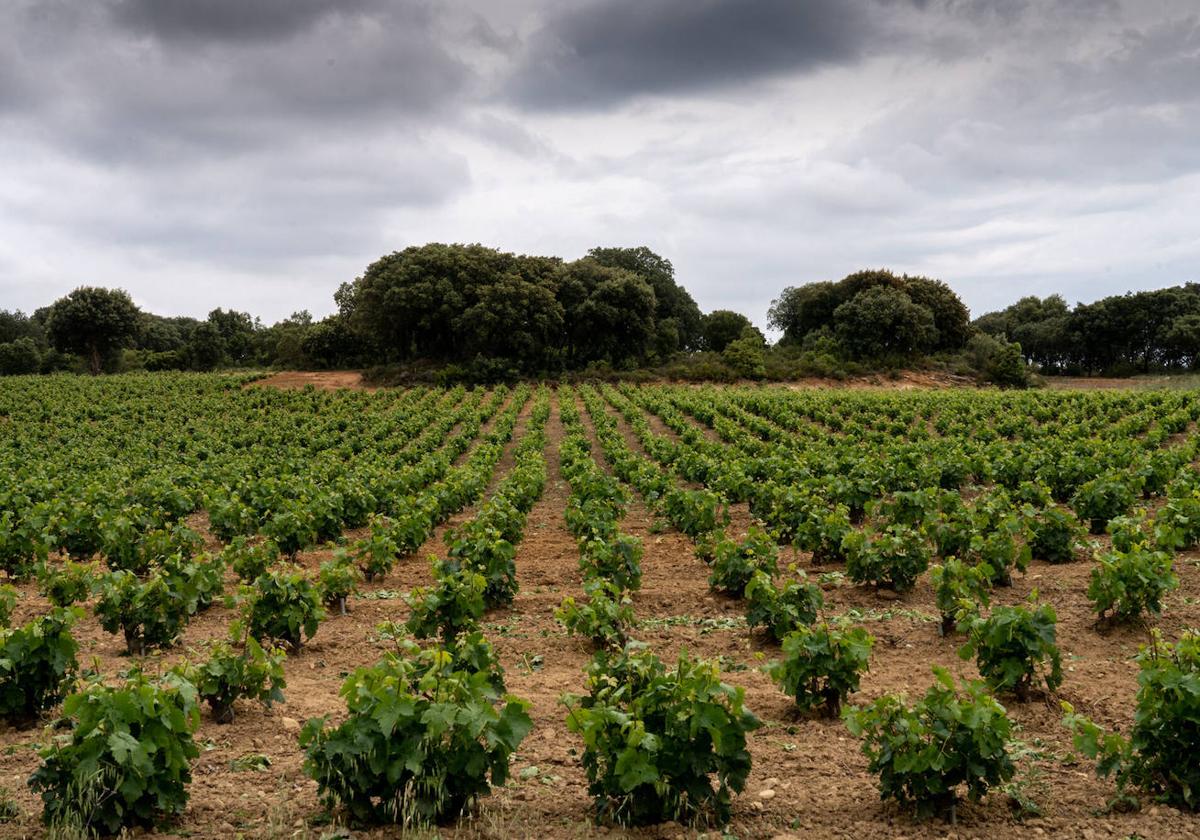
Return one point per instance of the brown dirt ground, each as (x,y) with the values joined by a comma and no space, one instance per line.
(324,380)
(818,777)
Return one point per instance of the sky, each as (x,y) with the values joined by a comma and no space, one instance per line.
(255,154)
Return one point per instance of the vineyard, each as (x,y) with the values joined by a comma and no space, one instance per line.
(755,611)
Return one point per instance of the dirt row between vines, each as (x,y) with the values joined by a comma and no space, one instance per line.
(809,778)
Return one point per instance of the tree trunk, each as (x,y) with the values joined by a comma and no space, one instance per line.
(94,360)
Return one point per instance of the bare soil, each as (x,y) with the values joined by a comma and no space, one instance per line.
(809,778)
(322,380)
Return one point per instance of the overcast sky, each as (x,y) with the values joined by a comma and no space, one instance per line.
(256,153)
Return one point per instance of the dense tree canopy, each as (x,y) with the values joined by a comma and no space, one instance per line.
(874,314)
(93,322)
(720,327)
(1139,331)
(457,303)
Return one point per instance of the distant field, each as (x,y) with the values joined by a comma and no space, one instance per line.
(163,473)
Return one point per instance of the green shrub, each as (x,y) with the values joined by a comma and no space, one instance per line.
(378,553)
(228,676)
(484,547)
(37,664)
(734,563)
(1126,584)
(1128,532)
(1102,499)
(894,558)
(284,606)
(128,546)
(1015,645)
(1176,525)
(124,759)
(822,532)
(617,559)
(780,610)
(654,739)
(8,603)
(1053,534)
(248,560)
(924,753)
(1159,757)
(421,743)
(604,617)
(451,606)
(695,512)
(200,581)
(1001,547)
(149,613)
(70,584)
(338,579)
(822,664)
(293,527)
(960,590)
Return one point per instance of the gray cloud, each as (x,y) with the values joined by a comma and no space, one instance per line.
(602,53)
(229,20)
(257,154)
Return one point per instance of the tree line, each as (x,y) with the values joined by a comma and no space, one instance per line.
(488,313)
(1137,332)
(474,313)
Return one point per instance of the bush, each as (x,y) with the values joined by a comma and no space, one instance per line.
(781,610)
(149,613)
(486,549)
(284,606)
(1128,532)
(745,355)
(377,554)
(1007,367)
(201,582)
(293,527)
(1159,757)
(1102,499)
(960,590)
(420,744)
(822,665)
(695,512)
(1000,547)
(617,559)
(1176,525)
(250,561)
(734,563)
(604,617)
(70,584)
(452,606)
(126,547)
(925,752)
(227,676)
(19,357)
(1053,534)
(37,663)
(339,579)
(822,533)
(894,558)
(8,603)
(1013,646)
(653,739)
(1126,584)
(125,759)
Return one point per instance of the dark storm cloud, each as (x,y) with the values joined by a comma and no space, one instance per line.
(1008,146)
(228,79)
(602,53)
